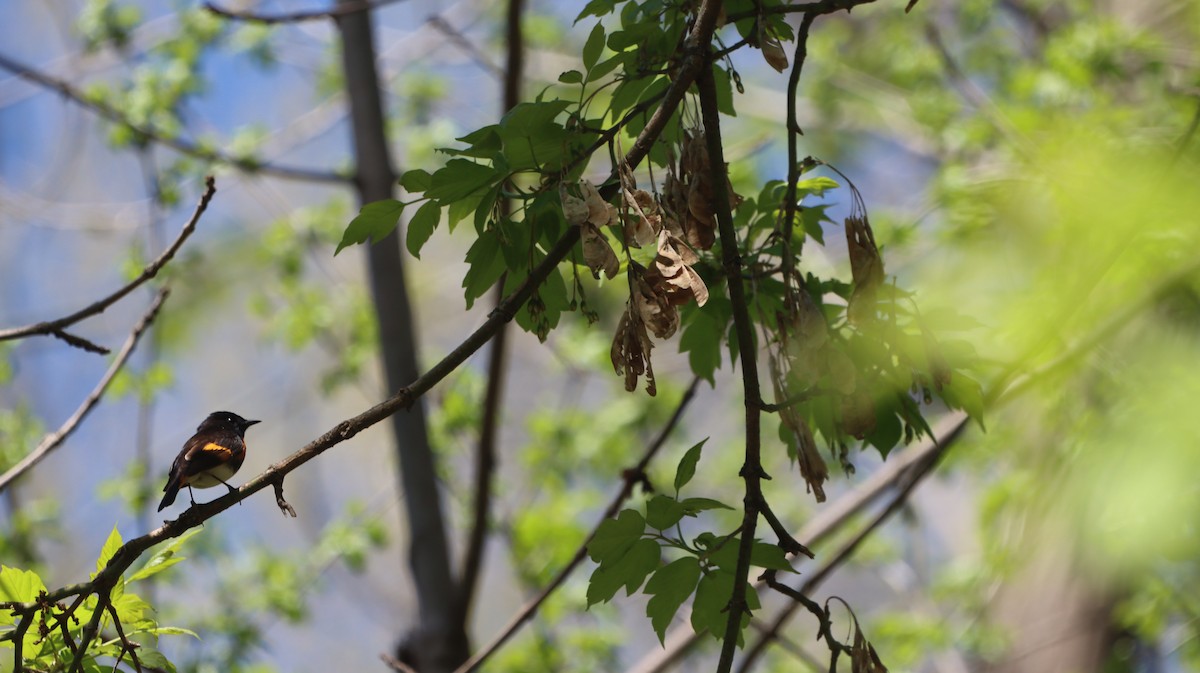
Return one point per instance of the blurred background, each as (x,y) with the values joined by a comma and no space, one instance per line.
(1029,164)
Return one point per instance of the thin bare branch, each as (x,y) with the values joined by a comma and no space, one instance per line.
(793,130)
(914,475)
(297,17)
(188,147)
(970,91)
(829,521)
(631,476)
(485,454)
(454,35)
(56,438)
(815,8)
(56,327)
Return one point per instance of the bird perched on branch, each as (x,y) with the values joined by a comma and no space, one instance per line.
(210,457)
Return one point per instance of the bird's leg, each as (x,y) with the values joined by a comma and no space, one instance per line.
(191,495)
(231,489)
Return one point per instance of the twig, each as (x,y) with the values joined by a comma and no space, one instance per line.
(396,664)
(969,91)
(185,146)
(916,474)
(126,645)
(752,471)
(297,17)
(822,7)
(820,528)
(792,400)
(824,630)
(103,591)
(283,505)
(56,326)
(454,35)
(793,129)
(632,476)
(54,439)
(485,455)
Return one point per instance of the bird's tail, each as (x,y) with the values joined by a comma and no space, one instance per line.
(172,489)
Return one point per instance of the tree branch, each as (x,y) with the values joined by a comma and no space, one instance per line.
(297,17)
(185,146)
(694,59)
(815,8)
(752,471)
(826,523)
(631,476)
(55,327)
(54,439)
(793,129)
(485,455)
(915,474)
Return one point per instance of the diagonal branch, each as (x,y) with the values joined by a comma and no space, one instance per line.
(54,439)
(631,477)
(179,144)
(297,17)
(56,327)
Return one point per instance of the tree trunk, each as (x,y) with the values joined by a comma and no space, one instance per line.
(438,643)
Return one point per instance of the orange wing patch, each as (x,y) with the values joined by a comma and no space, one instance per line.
(216,452)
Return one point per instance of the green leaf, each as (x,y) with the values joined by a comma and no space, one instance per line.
(374,221)
(163,558)
(816,186)
(532,139)
(153,659)
(130,608)
(888,430)
(628,571)
(482,143)
(964,392)
(111,545)
(487,265)
(687,465)
(21,586)
(460,178)
(697,505)
(709,611)
(173,631)
(724,88)
(416,180)
(663,511)
(593,47)
(571,77)
(767,555)
(596,8)
(812,217)
(615,536)
(701,340)
(421,227)
(670,586)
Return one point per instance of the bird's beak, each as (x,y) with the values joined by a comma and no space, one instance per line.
(249,423)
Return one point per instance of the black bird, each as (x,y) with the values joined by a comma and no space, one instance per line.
(210,457)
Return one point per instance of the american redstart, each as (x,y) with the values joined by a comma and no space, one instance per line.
(210,457)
